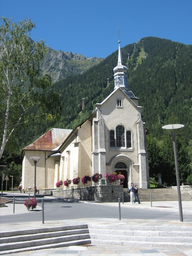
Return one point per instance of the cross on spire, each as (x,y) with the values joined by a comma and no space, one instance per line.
(118,34)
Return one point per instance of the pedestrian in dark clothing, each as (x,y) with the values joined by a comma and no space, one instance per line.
(136,194)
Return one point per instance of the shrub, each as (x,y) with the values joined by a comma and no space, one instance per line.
(189,179)
(58,184)
(30,203)
(85,179)
(110,177)
(120,177)
(96,177)
(76,180)
(67,182)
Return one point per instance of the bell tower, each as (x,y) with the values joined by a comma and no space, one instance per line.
(120,72)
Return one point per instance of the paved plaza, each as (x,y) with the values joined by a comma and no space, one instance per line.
(167,214)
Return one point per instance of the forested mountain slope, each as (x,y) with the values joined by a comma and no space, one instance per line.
(159,74)
(163,82)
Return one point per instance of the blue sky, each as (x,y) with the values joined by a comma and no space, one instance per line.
(90,27)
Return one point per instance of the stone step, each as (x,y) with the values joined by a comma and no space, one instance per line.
(12,239)
(23,240)
(162,194)
(42,241)
(46,246)
(41,230)
(138,243)
(157,233)
(132,228)
(141,235)
(145,237)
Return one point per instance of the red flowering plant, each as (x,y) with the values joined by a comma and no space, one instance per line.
(120,177)
(96,177)
(30,203)
(85,179)
(110,177)
(67,182)
(59,183)
(76,180)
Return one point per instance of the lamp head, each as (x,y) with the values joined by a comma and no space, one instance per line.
(173,126)
(35,158)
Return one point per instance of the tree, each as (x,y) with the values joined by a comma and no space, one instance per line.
(25,95)
(168,161)
(154,156)
(189,179)
(183,159)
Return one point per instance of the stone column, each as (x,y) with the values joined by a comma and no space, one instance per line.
(142,155)
(56,178)
(99,151)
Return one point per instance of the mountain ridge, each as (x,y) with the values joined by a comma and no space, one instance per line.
(60,64)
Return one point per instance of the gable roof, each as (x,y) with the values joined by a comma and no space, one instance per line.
(128,94)
(50,140)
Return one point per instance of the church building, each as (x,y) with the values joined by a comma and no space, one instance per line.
(112,139)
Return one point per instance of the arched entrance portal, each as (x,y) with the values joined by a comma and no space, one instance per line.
(121,168)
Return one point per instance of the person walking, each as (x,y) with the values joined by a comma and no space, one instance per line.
(131,190)
(136,194)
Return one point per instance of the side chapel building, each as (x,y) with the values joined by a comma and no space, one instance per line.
(111,139)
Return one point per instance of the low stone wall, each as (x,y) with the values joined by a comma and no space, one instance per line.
(46,192)
(185,190)
(100,193)
(3,201)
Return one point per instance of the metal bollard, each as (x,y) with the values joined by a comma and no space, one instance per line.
(123,199)
(151,199)
(13,204)
(119,201)
(43,211)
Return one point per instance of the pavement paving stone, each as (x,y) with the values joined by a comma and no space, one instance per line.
(106,249)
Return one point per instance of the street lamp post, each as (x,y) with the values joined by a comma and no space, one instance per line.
(174,127)
(2,166)
(11,181)
(35,160)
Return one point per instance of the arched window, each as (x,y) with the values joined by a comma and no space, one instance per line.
(112,138)
(120,136)
(128,138)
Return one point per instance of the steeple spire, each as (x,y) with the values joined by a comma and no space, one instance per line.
(120,72)
(119,62)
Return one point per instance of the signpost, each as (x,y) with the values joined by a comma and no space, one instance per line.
(6,178)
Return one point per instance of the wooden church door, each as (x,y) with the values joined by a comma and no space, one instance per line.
(121,168)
